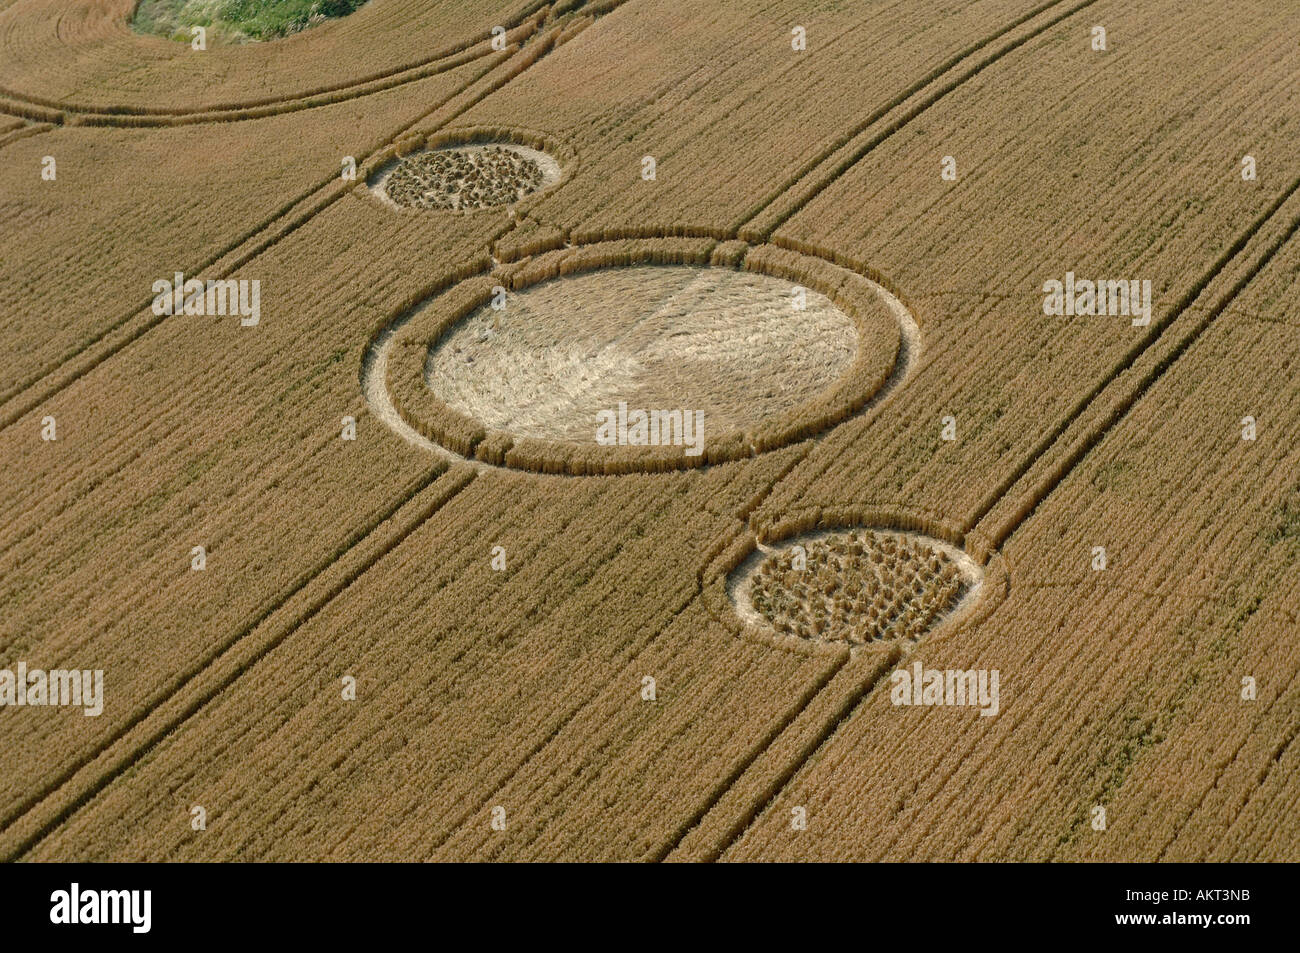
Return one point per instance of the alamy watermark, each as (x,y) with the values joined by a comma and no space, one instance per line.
(1083,296)
(76,906)
(932,686)
(651,428)
(212,297)
(56,687)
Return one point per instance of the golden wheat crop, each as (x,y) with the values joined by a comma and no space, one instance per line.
(1106,514)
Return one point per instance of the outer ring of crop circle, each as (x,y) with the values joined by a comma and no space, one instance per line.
(407,340)
(726,559)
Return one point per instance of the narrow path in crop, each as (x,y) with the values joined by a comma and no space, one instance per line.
(23,132)
(192,690)
(43,812)
(807,729)
(768,790)
(60,115)
(765,218)
(1122,395)
(23,397)
(26,395)
(575,708)
(1124,399)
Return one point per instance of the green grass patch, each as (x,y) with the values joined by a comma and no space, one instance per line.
(236,21)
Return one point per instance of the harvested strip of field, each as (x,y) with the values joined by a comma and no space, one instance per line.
(465,178)
(715,342)
(855,587)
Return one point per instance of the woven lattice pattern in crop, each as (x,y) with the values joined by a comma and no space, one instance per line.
(857,587)
(462,179)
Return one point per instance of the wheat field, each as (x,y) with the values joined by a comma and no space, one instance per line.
(554,430)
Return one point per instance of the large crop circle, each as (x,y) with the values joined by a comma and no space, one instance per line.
(725,346)
(637,365)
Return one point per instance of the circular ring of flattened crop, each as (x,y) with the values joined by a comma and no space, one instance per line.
(639,356)
(468,170)
(855,578)
(856,586)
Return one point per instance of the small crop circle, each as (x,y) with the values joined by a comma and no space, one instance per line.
(466,178)
(858,587)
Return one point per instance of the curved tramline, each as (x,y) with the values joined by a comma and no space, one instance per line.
(53,64)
